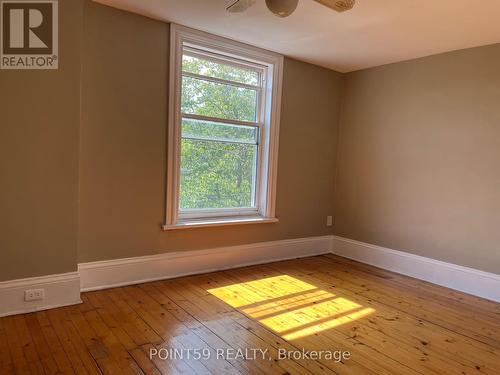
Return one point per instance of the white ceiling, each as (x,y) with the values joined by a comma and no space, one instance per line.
(375,32)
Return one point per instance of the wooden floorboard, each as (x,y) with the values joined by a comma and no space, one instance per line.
(388,323)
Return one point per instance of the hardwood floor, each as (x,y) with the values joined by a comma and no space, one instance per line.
(330,306)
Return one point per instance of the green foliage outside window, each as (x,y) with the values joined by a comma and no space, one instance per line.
(216,172)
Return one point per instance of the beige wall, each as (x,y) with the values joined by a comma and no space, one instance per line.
(40,114)
(123,146)
(83,153)
(419,157)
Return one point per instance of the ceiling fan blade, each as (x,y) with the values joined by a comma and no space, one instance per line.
(338,5)
(240,6)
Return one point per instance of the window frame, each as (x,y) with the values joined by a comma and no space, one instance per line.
(270,66)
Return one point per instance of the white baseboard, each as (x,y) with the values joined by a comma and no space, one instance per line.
(60,290)
(64,289)
(464,279)
(119,272)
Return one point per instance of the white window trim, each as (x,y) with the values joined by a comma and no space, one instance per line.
(180,35)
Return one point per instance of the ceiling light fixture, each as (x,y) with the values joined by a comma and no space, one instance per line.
(282,8)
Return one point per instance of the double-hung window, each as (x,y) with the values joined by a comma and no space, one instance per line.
(224,104)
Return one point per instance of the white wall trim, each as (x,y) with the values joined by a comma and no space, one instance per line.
(64,289)
(119,272)
(60,290)
(464,279)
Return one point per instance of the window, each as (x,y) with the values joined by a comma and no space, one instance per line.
(224,103)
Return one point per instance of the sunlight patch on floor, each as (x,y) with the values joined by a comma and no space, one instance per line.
(289,306)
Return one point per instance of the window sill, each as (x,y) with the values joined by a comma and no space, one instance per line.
(201,223)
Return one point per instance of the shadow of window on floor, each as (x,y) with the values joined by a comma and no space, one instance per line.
(289,306)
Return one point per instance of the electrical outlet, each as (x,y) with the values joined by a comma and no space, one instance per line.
(329,221)
(34,294)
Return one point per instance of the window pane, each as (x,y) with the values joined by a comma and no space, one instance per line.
(206,98)
(217,70)
(217,131)
(216,174)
